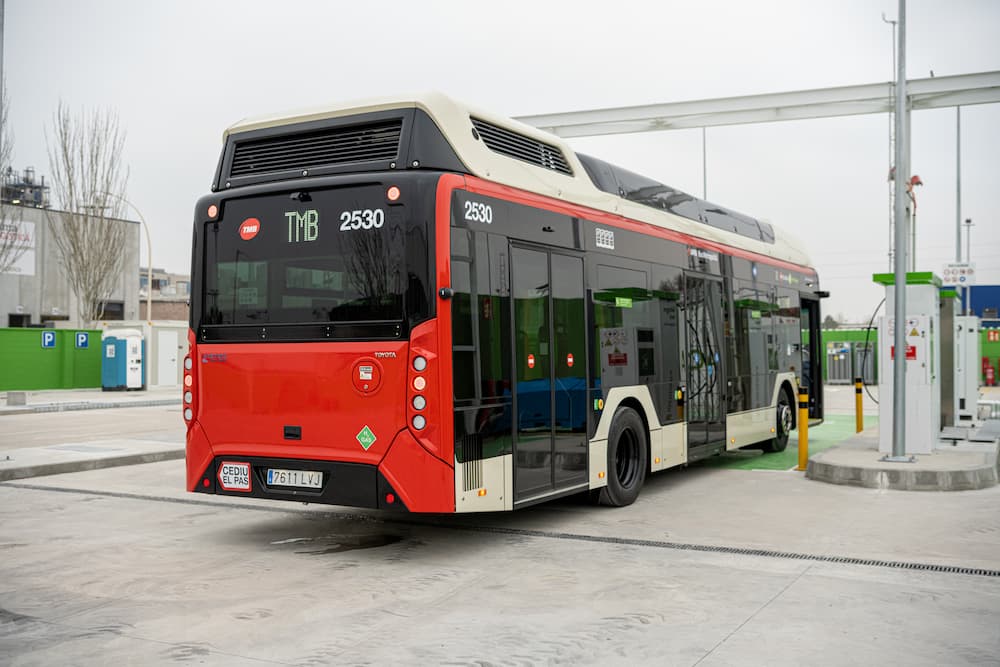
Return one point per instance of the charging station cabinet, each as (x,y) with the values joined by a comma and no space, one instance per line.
(967,365)
(922,328)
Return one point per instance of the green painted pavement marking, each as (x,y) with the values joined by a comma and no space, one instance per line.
(834,430)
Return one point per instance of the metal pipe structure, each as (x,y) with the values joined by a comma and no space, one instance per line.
(149,253)
(931,93)
(899,339)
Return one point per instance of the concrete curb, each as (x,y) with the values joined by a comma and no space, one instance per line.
(86,405)
(58,468)
(895,476)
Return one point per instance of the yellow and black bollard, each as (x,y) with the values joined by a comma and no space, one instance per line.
(803,427)
(859,415)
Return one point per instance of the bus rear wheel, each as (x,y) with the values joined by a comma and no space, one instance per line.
(628,459)
(784,419)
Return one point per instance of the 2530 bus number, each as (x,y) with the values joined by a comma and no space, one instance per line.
(478,212)
(368,218)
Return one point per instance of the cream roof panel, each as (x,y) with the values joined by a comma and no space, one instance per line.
(454,120)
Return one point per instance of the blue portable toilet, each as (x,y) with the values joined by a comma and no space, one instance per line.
(122,360)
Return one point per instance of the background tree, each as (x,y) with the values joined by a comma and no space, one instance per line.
(12,246)
(88,179)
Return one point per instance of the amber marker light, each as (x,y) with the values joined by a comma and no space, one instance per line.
(393,193)
(600,475)
(482,492)
(213,211)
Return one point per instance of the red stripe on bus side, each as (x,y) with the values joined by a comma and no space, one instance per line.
(480,186)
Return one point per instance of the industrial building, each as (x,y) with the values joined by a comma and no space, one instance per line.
(35,290)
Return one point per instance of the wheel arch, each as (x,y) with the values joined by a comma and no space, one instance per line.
(787,382)
(637,398)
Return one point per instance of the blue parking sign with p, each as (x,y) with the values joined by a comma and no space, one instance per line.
(82,340)
(48,339)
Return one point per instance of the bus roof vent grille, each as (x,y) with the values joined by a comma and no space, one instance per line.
(321,148)
(504,141)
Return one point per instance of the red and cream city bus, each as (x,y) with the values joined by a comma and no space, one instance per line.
(410,304)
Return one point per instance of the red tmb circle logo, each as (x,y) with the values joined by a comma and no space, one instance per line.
(249,228)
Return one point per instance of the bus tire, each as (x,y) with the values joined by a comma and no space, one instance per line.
(784,419)
(628,459)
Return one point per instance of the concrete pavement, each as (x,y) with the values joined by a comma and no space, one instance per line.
(60,400)
(856,461)
(23,457)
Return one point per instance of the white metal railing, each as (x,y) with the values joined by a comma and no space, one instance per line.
(988,410)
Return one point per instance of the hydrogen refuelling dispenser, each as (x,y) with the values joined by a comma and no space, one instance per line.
(923,358)
(967,364)
(122,366)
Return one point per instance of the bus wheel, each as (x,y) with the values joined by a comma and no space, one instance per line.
(783,424)
(627,459)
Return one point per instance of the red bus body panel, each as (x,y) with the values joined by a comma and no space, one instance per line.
(246,394)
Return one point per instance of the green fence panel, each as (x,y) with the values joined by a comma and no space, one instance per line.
(33,359)
(990,348)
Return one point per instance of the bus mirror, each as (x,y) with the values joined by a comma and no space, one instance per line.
(446,292)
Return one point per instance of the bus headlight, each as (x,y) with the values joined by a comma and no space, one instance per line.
(419,422)
(419,364)
(419,402)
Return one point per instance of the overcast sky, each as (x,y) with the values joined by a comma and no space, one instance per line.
(179,72)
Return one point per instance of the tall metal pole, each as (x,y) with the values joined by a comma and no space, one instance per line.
(892,144)
(958,185)
(968,260)
(901,217)
(968,240)
(704,165)
(958,196)
(1,44)
(149,253)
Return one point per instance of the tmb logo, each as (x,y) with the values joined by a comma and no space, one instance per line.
(249,228)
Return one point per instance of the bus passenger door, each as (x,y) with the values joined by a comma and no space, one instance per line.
(811,349)
(550,361)
(706,378)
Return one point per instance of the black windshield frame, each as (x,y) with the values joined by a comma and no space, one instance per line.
(327,260)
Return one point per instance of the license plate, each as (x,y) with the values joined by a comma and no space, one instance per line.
(309,479)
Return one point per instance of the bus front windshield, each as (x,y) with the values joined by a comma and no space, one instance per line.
(335,255)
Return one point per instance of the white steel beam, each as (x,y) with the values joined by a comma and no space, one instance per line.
(931,93)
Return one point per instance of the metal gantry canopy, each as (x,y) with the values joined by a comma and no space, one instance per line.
(931,93)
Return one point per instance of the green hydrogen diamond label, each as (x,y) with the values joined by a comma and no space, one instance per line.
(366,437)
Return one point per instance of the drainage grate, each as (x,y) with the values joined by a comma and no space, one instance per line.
(738,551)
